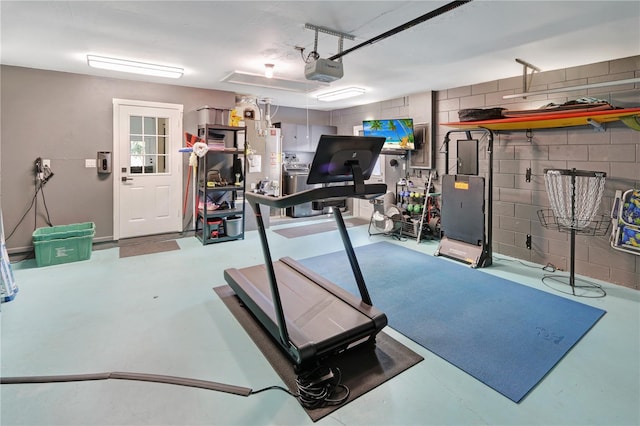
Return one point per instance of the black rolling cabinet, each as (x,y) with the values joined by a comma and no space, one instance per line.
(221,185)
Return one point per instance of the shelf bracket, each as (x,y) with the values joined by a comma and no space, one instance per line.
(529,135)
(526,85)
(596,125)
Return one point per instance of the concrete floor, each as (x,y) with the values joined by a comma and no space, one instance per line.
(158,314)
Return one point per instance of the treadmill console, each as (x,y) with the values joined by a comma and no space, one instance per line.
(345,159)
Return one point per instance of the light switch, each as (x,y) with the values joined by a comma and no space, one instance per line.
(90,163)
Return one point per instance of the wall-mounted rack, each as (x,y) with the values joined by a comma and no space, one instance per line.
(629,116)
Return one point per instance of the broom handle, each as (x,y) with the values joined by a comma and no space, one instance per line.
(186,196)
(424,208)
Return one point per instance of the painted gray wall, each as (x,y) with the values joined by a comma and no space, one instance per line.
(68,118)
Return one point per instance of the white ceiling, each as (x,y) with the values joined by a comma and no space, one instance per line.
(474,43)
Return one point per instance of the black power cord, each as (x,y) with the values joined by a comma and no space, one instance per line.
(547,267)
(44,201)
(550,267)
(321,387)
(33,200)
(42,175)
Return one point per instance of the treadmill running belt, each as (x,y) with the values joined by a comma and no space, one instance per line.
(321,317)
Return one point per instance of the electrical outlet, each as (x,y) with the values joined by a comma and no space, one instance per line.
(46,163)
(528,241)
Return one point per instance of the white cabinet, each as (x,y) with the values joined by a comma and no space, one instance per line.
(294,137)
(303,138)
(317,131)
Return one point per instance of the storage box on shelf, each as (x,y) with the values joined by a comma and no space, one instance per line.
(221,184)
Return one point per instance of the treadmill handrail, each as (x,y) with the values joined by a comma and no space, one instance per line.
(325,193)
(357,190)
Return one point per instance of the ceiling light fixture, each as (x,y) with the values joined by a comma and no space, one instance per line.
(259,80)
(345,93)
(268,70)
(135,67)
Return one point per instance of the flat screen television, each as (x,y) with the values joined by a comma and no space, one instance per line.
(336,155)
(398,132)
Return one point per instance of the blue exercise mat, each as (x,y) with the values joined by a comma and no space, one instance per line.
(507,335)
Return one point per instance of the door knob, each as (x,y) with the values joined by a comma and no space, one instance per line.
(125,178)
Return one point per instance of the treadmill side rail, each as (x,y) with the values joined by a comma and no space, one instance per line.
(314,194)
(309,316)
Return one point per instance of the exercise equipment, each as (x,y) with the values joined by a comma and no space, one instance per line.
(574,196)
(387,221)
(309,316)
(467,229)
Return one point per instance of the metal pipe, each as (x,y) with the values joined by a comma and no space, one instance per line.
(572,260)
(573,88)
(439,11)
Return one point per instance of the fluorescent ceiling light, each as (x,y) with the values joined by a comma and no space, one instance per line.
(250,79)
(133,67)
(348,92)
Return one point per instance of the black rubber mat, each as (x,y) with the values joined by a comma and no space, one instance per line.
(362,368)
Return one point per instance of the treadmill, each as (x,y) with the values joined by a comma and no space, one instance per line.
(309,316)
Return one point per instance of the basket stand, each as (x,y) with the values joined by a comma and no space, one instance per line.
(574,216)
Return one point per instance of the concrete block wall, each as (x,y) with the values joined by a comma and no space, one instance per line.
(615,151)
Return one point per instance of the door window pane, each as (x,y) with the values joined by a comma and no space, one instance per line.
(150,145)
(162,145)
(162,164)
(149,163)
(150,125)
(135,124)
(148,152)
(163,125)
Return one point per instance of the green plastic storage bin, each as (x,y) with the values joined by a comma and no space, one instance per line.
(63,244)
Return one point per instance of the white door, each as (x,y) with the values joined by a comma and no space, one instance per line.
(147,168)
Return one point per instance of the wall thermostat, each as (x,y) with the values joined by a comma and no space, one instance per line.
(103,162)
